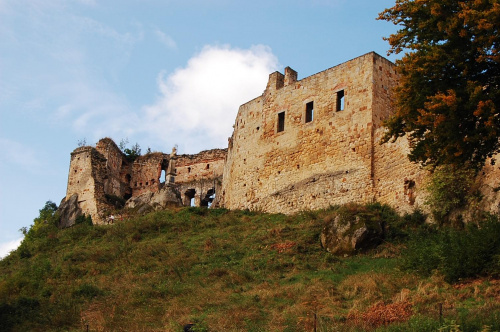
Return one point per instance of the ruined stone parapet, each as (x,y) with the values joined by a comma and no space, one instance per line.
(118,169)
(147,173)
(199,176)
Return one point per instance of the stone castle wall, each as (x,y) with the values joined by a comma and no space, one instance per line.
(118,169)
(488,184)
(397,181)
(303,144)
(199,176)
(147,173)
(309,164)
(98,173)
(86,179)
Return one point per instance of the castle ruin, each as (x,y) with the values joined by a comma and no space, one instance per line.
(98,175)
(303,144)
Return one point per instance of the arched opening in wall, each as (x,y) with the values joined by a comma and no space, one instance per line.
(189,197)
(163,174)
(208,198)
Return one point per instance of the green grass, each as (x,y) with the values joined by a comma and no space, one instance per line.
(225,271)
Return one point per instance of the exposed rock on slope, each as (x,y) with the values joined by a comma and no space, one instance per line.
(167,196)
(69,211)
(345,234)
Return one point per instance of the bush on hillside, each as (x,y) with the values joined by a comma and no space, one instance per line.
(456,254)
(450,188)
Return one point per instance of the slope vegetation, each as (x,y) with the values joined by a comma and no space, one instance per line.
(231,271)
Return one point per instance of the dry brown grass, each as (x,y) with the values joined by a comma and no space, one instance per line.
(381,314)
(367,288)
(233,272)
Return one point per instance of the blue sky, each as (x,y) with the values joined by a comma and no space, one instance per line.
(155,72)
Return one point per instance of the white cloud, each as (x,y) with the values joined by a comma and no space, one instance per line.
(166,39)
(199,102)
(7,247)
(196,108)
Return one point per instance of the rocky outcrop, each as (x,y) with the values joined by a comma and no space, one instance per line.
(165,197)
(346,234)
(69,211)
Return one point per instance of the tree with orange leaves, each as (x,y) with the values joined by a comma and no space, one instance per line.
(448,99)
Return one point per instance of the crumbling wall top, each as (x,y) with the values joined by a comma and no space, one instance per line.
(106,144)
(151,156)
(204,155)
(81,149)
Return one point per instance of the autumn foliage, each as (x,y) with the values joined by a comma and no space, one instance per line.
(448,99)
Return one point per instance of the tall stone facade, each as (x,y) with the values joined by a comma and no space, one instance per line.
(312,143)
(303,144)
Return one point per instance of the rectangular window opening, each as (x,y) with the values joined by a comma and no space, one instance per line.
(281,122)
(309,111)
(340,100)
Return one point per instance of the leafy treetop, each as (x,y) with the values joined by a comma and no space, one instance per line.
(448,98)
(131,153)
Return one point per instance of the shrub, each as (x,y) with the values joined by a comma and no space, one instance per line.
(457,254)
(450,188)
(84,219)
(87,291)
(15,313)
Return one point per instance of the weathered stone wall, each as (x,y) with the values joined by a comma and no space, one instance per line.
(96,173)
(147,173)
(80,180)
(118,169)
(86,179)
(199,176)
(397,181)
(303,144)
(308,165)
(488,183)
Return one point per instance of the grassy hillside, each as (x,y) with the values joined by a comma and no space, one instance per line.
(232,271)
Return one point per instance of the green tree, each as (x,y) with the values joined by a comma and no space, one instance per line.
(47,215)
(131,153)
(448,98)
(450,188)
